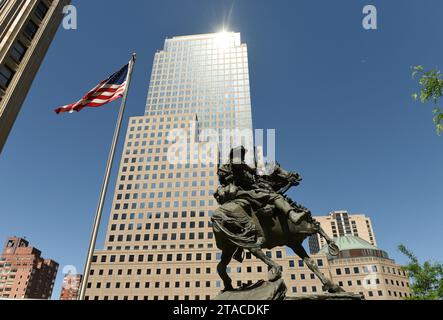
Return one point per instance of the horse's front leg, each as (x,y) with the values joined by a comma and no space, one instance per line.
(226,258)
(332,247)
(328,285)
(275,271)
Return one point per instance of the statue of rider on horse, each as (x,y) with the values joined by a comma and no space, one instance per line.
(255,214)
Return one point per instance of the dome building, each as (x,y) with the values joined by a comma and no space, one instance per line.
(360,268)
(351,246)
(366,269)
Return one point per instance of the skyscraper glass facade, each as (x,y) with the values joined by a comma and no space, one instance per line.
(206,75)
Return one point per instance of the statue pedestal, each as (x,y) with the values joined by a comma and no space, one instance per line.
(265,290)
(326,296)
(262,290)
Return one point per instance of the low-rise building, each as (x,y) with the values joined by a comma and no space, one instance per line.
(24,274)
(71,287)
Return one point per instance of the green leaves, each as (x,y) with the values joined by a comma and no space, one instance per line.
(426,279)
(416,71)
(438,119)
(431,90)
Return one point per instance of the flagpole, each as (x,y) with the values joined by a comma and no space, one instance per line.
(99,212)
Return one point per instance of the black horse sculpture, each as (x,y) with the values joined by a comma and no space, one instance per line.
(275,230)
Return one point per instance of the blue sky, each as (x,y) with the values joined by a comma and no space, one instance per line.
(338,95)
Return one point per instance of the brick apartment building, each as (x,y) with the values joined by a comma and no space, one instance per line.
(24,274)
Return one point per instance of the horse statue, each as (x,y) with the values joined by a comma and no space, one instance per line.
(239,224)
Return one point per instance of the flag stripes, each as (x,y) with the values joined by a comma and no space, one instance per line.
(105,92)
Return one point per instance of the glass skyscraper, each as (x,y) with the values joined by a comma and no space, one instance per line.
(206,75)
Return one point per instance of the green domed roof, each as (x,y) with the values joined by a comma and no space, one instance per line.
(350,243)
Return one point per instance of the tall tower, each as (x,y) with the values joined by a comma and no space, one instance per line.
(27,28)
(159,243)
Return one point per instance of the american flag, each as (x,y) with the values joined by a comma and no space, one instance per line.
(105,92)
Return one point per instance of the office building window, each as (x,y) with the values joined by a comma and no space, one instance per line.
(41,10)
(30,30)
(18,52)
(6,75)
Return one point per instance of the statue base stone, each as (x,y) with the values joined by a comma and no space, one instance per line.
(266,290)
(262,290)
(326,296)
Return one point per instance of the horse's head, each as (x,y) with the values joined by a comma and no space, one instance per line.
(279,178)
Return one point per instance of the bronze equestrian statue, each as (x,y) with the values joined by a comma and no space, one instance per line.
(255,214)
